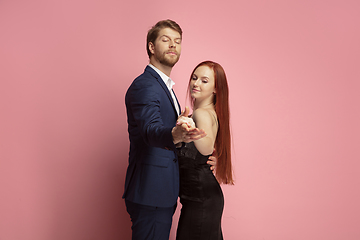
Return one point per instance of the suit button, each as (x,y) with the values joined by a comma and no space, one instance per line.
(175,160)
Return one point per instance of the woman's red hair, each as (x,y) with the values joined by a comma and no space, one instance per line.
(223,171)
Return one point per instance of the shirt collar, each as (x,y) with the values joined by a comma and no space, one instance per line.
(168,81)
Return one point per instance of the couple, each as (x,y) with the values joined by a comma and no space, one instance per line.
(169,151)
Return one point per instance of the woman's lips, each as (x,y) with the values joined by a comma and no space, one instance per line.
(195,90)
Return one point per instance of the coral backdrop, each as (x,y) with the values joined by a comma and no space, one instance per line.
(294,74)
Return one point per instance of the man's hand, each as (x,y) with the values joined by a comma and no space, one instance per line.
(186,120)
(185,131)
(212,161)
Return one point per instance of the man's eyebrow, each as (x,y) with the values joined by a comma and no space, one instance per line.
(169,37)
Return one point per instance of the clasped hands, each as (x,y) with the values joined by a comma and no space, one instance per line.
(185,129)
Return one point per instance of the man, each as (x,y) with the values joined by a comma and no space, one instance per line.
(152,178)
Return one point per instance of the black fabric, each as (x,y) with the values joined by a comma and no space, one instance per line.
(201,197)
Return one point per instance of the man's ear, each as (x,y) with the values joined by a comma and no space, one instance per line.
(151,47)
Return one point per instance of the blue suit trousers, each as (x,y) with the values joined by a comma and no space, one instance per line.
(148,222)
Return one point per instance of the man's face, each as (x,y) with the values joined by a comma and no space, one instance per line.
(167,47)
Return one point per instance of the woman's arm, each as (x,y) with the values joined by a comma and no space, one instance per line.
(205,120)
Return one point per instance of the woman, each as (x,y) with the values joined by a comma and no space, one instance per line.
(200,193)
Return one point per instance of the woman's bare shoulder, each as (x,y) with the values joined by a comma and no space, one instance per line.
(203,114)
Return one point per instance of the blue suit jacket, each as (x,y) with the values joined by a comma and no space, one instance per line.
(152,177)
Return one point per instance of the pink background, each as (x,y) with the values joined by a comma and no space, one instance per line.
(294,74)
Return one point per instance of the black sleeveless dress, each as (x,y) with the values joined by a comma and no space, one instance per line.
(201,197)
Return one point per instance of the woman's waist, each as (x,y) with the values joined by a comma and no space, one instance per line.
(193,163)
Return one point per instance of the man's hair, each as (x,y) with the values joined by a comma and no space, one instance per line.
(154,32)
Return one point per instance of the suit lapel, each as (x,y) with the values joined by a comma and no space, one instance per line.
(177,101)
(163,85)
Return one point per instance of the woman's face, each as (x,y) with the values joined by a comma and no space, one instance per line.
(202,83)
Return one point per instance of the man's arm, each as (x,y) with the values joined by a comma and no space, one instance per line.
(143,103)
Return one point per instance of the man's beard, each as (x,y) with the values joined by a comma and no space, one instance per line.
(166,60)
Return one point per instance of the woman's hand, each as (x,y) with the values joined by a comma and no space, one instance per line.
(185,129)
(189,122)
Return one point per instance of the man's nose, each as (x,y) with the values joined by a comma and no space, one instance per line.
(172,44)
